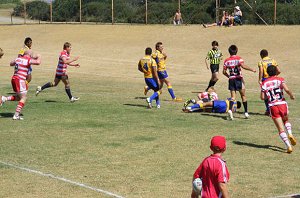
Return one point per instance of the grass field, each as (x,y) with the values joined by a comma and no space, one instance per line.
(109,140)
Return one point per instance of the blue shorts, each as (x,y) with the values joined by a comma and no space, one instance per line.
(162,74)
(152,84)
(219,106)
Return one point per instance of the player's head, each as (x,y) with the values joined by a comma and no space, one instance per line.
(238,104)
(1,53)
(67,47)
(28,42)
(215,44)
(158,46)
(218,144)
(148,51)
(271,70)
(264,53)
(233,50)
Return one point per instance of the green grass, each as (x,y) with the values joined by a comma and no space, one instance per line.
(111,141)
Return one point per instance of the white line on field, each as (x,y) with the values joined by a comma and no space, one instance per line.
(286,196)
(61,179)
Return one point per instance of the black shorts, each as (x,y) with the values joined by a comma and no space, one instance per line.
(62,77)
(214,68)
(236,84)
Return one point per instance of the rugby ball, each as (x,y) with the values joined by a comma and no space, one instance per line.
(197,185)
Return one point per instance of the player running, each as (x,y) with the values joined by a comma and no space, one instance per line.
(236,82)
(18,80)
(265,62)
(147,65)
(61,72)
(272,89)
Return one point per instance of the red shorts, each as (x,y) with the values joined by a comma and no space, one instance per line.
(279,111)
(19,85)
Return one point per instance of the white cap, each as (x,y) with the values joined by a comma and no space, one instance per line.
(237,7)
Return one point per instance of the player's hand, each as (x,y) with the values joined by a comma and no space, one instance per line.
(77,65)
(254,71)
(76,58)
(292,97)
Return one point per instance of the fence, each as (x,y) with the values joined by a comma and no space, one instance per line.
(144,11)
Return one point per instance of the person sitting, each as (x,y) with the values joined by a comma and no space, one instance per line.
(225,21)
(237,16)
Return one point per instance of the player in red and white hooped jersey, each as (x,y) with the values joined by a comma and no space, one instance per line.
(234,65)
(18,80)
(272,89)
(61,72)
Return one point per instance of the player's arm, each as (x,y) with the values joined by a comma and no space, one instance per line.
(225,72)
(74,64)
(247,68)
(277,70)
(260,74)
(223,188)
(140,67)
(289,92)
(36,61)
(165,55)
(206,62)
(262,95)
(68,61)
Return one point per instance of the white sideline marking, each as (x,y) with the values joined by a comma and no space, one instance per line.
(61,179)
(286,196)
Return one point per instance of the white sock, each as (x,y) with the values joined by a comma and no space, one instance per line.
(288,127)
(284,138)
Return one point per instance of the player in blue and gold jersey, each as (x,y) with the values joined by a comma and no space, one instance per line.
(160,58)
(214,56)
(148,66)
(263,65)
(215,106)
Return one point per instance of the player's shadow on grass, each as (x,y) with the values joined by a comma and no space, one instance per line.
(7,115)
(141,98)
(270,147)
(224,117)
(295,196)
(136,105)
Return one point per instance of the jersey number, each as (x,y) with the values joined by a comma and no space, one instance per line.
(275,94)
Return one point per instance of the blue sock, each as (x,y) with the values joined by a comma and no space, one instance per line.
(170,90)
(157,101)
(155,95)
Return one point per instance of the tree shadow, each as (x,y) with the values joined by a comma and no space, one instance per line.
(270,147)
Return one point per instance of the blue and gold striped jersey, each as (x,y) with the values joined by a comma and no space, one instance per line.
(146,64)
(215,56)
(265,63)
(160,60)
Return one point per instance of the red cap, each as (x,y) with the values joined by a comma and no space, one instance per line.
(219,142)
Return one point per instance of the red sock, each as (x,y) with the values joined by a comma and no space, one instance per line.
(19,107)
(11,98)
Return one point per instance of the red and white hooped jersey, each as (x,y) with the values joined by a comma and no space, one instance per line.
(233,64)
(210,96)
(22,65)
(61,69)
(273,89)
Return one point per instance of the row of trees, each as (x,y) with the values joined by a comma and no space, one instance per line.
(158,11)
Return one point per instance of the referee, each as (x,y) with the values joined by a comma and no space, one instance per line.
(214,56)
